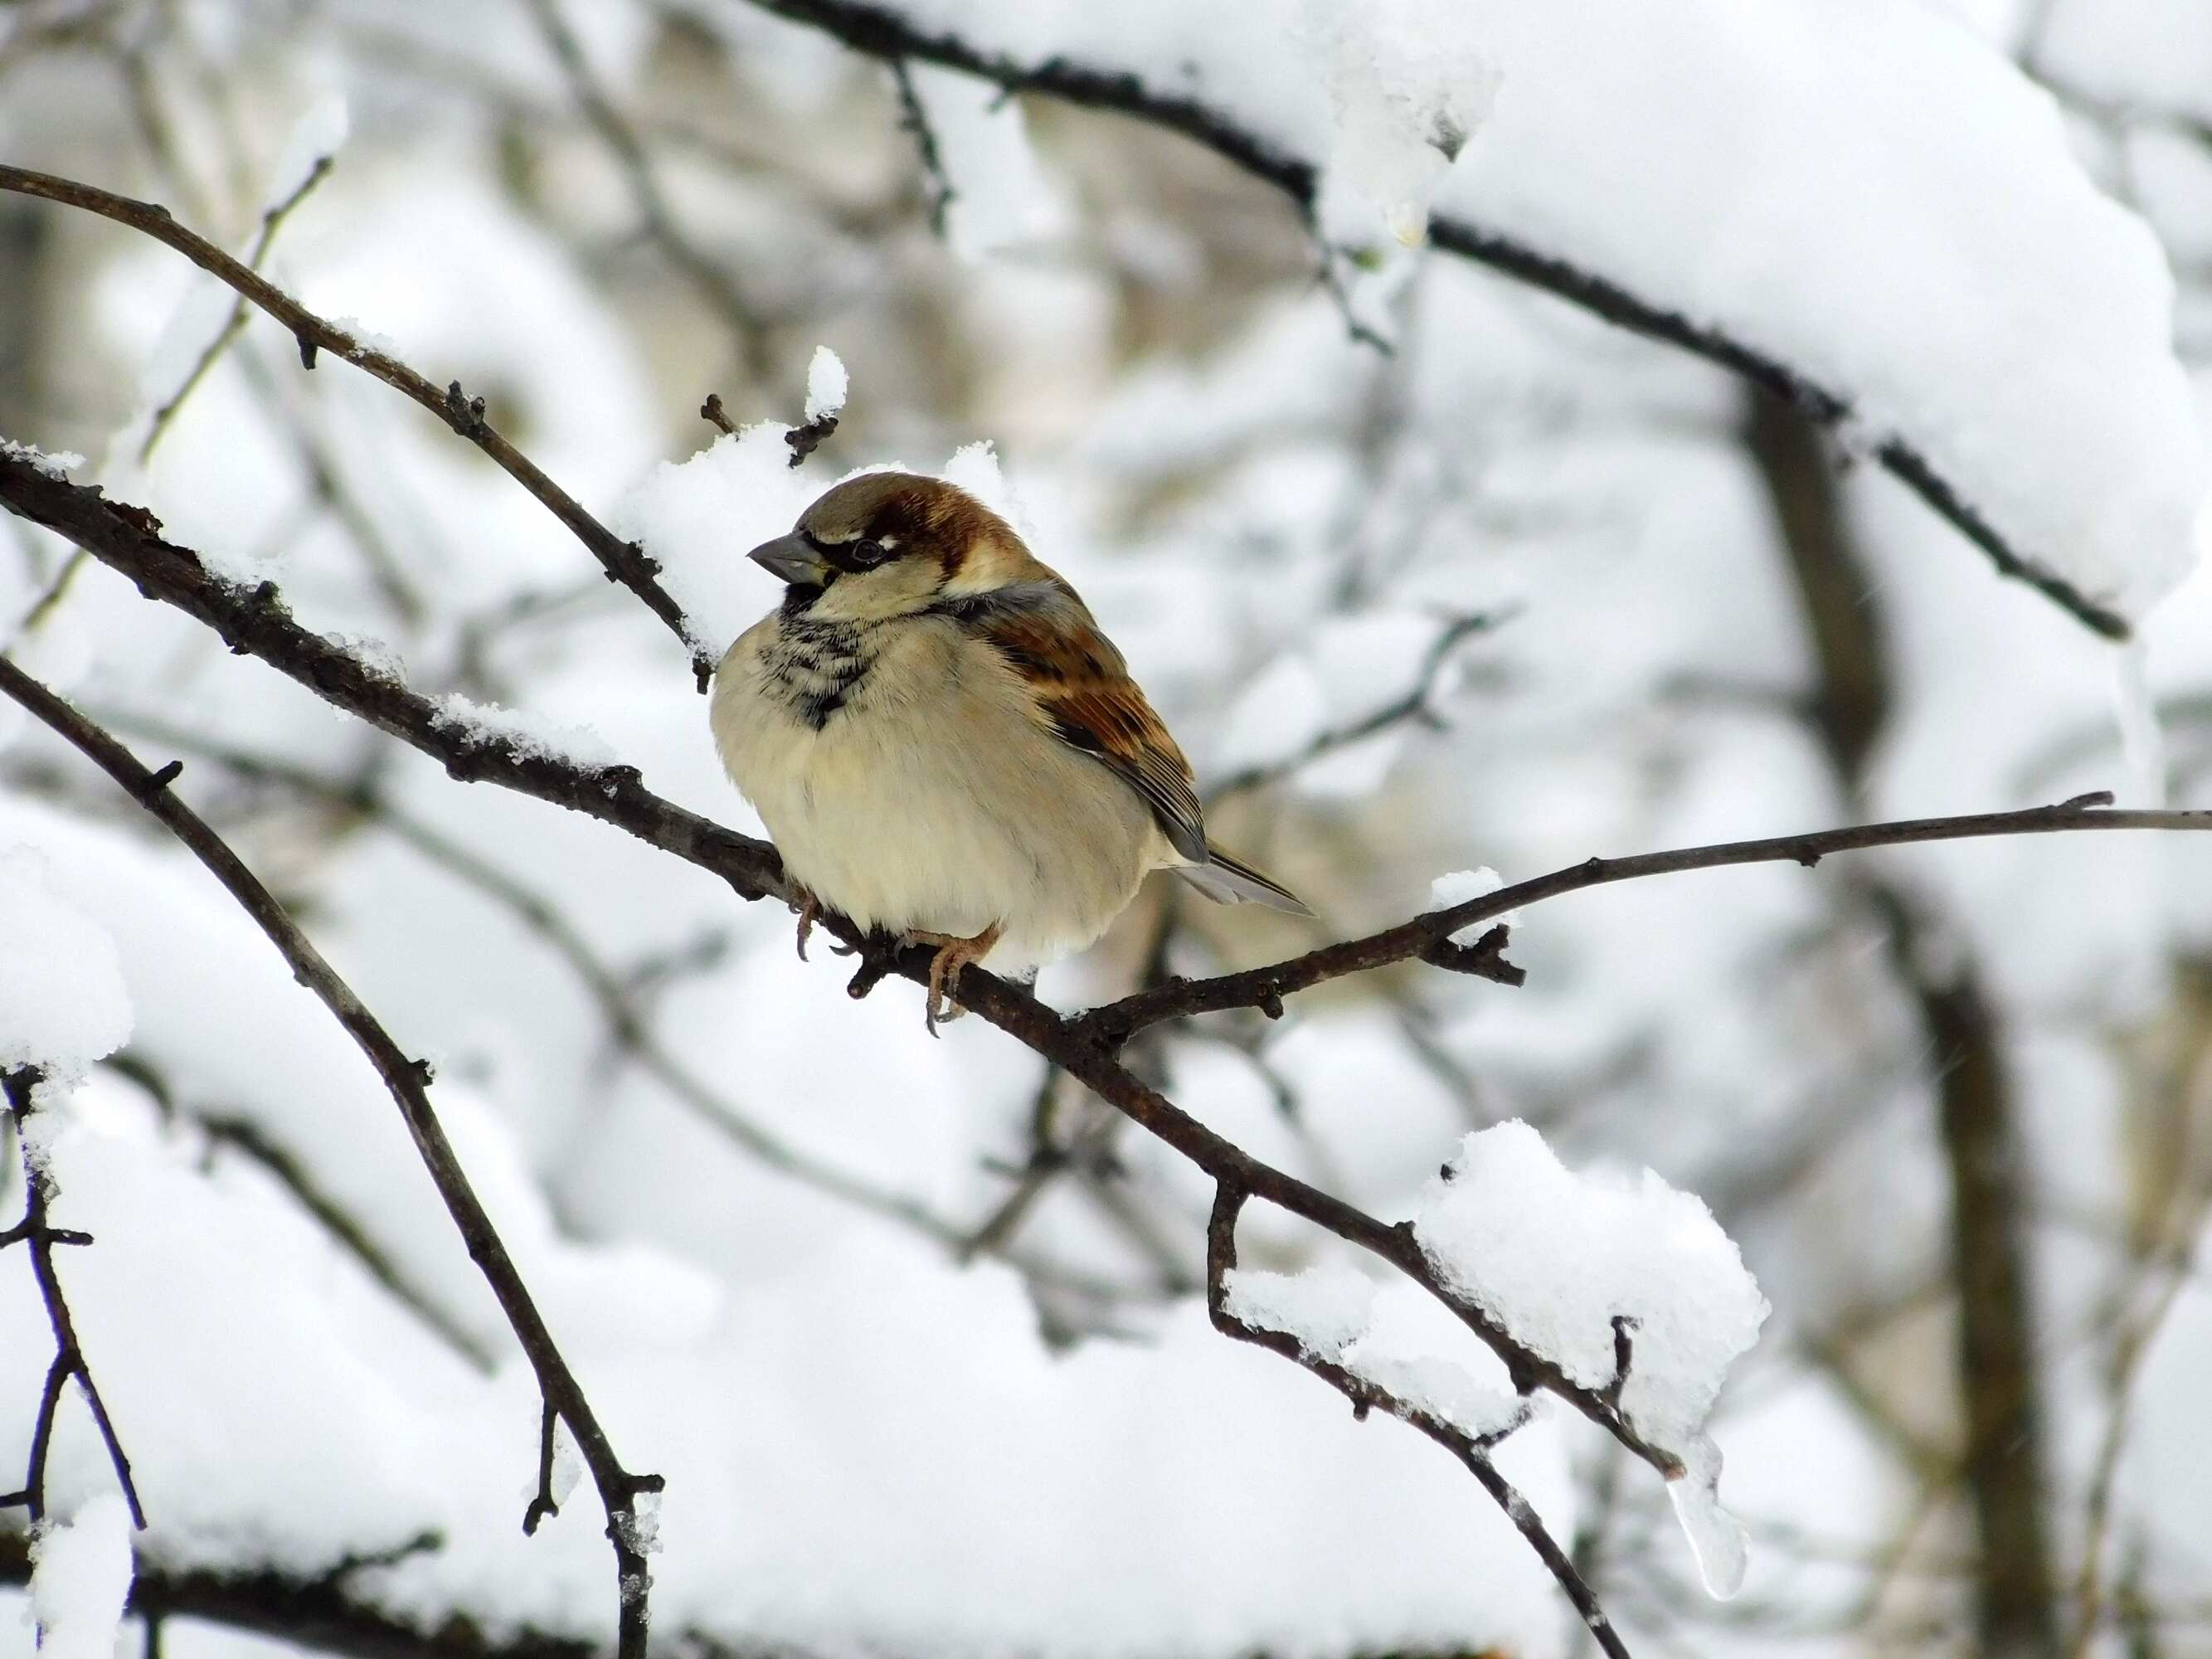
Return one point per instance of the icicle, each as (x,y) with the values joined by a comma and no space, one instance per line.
(1717,1538)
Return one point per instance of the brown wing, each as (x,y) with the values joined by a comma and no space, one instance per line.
(1083,689)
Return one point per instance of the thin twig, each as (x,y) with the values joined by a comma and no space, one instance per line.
(708,280)
(1259,987)
(624,562)
(407,1079)
(913,120)
(271,222)
(37,1234)
(1474,1450)
(1414,704)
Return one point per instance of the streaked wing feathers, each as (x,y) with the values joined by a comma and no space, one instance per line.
(1082,687)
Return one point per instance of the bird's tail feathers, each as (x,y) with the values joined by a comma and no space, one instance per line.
(1227,880)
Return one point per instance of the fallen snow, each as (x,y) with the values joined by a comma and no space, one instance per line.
(80,1577)
(701,516)
(1457,887)
(58,464)
(62,1000)
(826,383)
(1333,1311)
(525,736)
(1326,1308)
(1555,1257)
(1405,95)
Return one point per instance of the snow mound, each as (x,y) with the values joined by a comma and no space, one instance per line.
(1566,1260)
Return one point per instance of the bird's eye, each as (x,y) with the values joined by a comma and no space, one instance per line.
(867,554)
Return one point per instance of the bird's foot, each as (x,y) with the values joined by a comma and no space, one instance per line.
(953,954)
(809,912)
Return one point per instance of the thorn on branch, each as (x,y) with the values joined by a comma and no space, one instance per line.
(712,409)
(1484,960)
(307,352)
(544,1504)
(425,1074)
(465,414)
(2082,803)
(161,780)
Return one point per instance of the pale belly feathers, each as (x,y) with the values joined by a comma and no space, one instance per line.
(884,814)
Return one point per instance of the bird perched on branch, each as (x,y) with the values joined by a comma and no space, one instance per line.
(943,744)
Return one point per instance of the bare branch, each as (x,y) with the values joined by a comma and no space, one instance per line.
(324,1613)
(37,1233)
(623,562)
(914,120)
(1412,706)
(271,222)
(1265,986)
(407,1079)
(708,280)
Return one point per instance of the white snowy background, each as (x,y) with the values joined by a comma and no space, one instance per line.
(1429,570)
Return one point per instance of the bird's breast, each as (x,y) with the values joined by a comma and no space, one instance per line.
(814,668)
(908,784)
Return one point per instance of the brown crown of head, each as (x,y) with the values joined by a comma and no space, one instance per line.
(914,515)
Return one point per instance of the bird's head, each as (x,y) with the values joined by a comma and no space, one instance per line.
(889,544)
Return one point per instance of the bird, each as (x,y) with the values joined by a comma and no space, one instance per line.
(946,746)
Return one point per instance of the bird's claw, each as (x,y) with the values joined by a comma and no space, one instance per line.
(954,953)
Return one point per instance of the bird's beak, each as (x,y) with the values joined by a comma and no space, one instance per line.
(789,558)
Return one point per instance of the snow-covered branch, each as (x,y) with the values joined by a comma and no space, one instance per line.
(257,622)
(1567,184)
(408,1079)
(1472,1445)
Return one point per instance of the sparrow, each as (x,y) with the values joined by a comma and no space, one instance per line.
(945,747)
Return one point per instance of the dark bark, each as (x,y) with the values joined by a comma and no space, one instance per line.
(1999,1383)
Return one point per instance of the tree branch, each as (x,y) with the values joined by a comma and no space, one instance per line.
(1265,987)
(1474,1450)
(883,32)
(407,1079)
(321,1613)
(623,562)
(1999,1379)
(256,622)
(37,1233)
